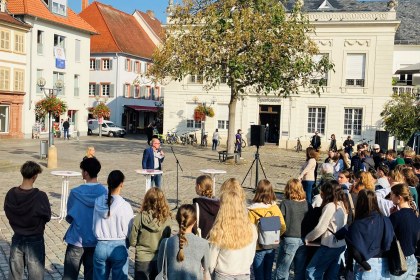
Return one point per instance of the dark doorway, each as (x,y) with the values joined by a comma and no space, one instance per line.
(270,118)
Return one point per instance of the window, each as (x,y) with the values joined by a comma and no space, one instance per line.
(128,65)
(355,70)
(318,78)
(4,40)
(58,76)
(59,41)
(353,121)
(4,78)
(19,42)
(143,67)
(143,90)
(222,124)
(92,89)
(76,85)
(407,79)
(316,119)
(137,67)
(77,51)
(105,89)
(92,64)
(38,75)
(19,80)
(40,41)
(137,92)
(58,8)
(195,79)
(193,124)
(222,116)
(127,90)
(4,118)
(106,64)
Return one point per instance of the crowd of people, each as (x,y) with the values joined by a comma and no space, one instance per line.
(343,223)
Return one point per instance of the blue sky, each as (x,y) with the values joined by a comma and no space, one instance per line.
(128,6)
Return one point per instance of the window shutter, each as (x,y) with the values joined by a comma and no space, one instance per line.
(143,92)
(124,90)
(110,64)
(97,64)
(355,68)
(111,90)
(97,89)
(132,90)
(162,92)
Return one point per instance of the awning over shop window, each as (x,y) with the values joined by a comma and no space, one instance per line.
(412,69)
(142,108)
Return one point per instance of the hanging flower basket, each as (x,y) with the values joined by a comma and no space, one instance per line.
(52,105)
(101,111)
(201,111)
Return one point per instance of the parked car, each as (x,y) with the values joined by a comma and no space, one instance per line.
(108,128)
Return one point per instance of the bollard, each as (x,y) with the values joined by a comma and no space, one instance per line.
(52,157)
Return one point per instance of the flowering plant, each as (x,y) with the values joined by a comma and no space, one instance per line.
(101,111)
(50,104)
(201,111)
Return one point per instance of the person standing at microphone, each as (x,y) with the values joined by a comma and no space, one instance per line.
(152,159)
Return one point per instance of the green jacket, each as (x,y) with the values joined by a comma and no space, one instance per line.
(146,234)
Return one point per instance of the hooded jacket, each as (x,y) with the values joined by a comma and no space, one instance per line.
(208,209)
(147,233)
(27,210)
(118,225)
(80,207)
(258,210)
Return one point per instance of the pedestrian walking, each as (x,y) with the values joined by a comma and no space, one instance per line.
(112,220)
(28,210)
(215,139)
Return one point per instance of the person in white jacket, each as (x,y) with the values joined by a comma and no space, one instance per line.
(112,219)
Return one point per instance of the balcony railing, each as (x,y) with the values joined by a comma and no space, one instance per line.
(414,90)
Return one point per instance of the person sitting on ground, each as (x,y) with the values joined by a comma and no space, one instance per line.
(90,152)
(150,226)
(28,210)
(206,205)
(264,205)
(80,239)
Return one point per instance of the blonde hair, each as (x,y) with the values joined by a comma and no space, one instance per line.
(403,190)
(367,180)
(88,155)
(186,216)
(396,176)
(204,184)
(294,190)
(232,228)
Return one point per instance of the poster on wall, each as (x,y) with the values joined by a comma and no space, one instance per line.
(60,58)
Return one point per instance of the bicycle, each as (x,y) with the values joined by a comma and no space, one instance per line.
(298,147)
(172,137)
(204,140)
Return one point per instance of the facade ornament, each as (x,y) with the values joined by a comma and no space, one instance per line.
(392,5)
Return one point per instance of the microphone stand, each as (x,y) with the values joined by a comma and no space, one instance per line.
(177,177)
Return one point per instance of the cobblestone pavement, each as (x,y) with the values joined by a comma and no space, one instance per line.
(125,154)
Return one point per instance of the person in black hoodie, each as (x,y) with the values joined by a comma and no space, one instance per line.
(28,210)
(206,206)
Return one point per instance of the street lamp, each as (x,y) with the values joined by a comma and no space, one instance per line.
(41,82)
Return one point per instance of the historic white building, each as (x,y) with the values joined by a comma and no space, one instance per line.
(359,40)
(58,49)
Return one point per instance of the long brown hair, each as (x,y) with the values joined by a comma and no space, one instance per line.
(264,192)
(294,190)
(155,202)
(333,192)
(204,184)
(366,204)
(311,153)
(186,216)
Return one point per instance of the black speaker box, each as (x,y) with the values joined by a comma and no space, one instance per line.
(381,138)
(257,135)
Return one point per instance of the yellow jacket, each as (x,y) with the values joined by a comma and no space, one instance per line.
(262,209)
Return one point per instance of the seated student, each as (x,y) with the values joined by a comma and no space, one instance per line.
(28,210)
(206,205)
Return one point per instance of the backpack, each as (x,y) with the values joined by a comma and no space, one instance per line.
(268,231)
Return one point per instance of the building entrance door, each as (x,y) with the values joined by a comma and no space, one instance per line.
(270,118)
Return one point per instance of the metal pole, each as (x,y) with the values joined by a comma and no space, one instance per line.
(50,135)
(257,159)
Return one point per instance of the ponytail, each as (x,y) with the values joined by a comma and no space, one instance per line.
(186,217)
(115,178)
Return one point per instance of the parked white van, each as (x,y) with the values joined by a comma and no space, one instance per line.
(108,128)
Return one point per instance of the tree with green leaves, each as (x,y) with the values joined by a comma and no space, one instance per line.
(401,115)
(256,46)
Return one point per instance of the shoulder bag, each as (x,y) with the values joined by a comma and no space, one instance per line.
(197,210)
(164,269)
(396,259)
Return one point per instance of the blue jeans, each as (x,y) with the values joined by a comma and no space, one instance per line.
(110,255)
(221,276)
(157,180)
(66,134)
(27,251)
(379,270)
(325,264)
(263,264)
(411,269)
(74,258)
(214,145)
(307,187)
(292,249)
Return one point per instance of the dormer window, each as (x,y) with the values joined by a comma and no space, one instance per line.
(58,7)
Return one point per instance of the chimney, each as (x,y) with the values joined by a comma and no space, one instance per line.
(151,14)
(3,6)
(85,3)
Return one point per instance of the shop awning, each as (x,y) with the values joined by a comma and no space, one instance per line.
(142,108)
(412,69)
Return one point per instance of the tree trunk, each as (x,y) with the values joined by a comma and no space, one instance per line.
(232,122)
